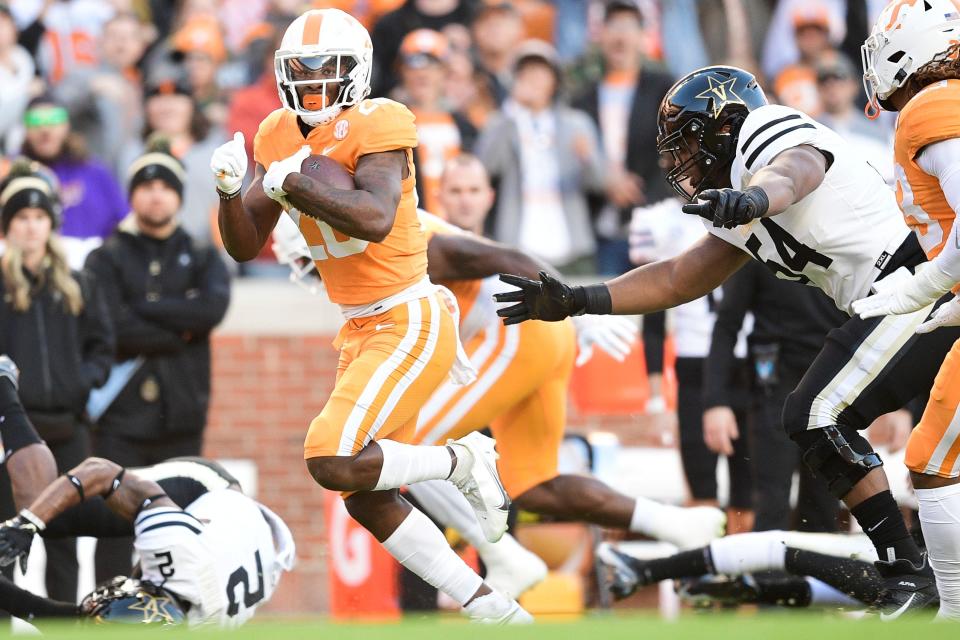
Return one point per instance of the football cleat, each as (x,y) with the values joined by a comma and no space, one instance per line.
(476,476)
(496,609)
(511,569)
(694,527)
(624,574)
(906,588)
(726,591)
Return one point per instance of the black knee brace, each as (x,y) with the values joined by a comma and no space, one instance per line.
(830,453)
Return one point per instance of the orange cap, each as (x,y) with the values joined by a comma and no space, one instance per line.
(201,34)
(811,14)
(424,42)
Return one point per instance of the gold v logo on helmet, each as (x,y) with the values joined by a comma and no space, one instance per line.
(721,94)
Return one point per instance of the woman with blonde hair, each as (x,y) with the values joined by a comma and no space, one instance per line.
(55,326)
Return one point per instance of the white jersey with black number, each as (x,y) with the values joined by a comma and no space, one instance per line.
(839,236)
(224,555)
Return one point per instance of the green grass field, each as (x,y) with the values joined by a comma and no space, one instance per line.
(712,626)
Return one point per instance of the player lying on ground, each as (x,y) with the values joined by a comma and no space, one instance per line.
(521,393)
(208,554)
(774,185)
(786,568)
(911,66)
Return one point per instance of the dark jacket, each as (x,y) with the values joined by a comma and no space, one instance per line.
(642,157)
(794,317)
(165,297)
(61,356)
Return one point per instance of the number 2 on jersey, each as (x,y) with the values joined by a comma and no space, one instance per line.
(794,254)
(241,578)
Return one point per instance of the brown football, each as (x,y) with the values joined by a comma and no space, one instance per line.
(328,171)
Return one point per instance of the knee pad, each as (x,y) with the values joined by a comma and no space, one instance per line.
(839,455)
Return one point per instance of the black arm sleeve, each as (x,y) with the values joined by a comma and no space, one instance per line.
(654,336)
(21,603)
(16,430)
(202,312)
(134,335)
(738,292)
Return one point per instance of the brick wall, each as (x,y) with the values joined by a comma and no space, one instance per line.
(273,368)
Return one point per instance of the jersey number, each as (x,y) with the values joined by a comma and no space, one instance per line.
(794,254)
(166,566)
(324,243)
(240,577)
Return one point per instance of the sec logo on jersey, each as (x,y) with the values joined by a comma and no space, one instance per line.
(341,129)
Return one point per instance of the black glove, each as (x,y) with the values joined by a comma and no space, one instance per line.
(549,299)
(9,370)
(16,536)
(729,208)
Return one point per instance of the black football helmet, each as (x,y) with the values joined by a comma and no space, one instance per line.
(699,121)
(132,601)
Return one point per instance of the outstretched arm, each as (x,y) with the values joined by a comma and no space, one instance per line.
(466,257)
(653,287)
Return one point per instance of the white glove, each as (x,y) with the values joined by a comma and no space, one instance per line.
(901,292)
(278,172)
(615,335)
(947,315)
(229,164)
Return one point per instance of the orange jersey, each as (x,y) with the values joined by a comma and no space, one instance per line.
(439,141)
(931,116)
(356,272)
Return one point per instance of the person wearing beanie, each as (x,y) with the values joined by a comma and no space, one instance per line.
(165,292)
(54,325)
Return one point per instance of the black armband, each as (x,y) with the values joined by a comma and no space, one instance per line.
(592,299)
(147,502)
(114,484)
(75,481)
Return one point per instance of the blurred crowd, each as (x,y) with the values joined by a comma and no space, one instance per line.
(557,98)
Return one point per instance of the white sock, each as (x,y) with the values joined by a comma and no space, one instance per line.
(748,552)
(418,545)
(446,505)
(940,521)
(405,464)
(648,517)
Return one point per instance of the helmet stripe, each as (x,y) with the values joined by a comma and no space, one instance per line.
(311,29)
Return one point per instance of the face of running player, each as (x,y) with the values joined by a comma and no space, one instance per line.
(466,194)
(30,230)
(312,96)
(155,205)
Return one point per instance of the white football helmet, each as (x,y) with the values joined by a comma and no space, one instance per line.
(329,51)
(291,249)
(907,35)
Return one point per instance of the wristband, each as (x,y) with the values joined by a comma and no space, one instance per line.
(115,484)
(32,518)
(75,481)
(592,299)
(228,196)
(761,203)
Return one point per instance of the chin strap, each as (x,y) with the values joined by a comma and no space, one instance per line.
(872,108)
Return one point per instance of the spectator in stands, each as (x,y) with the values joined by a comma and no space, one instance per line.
(838,84)
(172,113)
(441,133)
(545,159)
(497,30)
(16,77)
(796,84)
(165,292)
(54,325)
(200,43)
(621,105)
(93,203)
(468,89)
(466,193)
(107,100)
(392,28)
(250,105)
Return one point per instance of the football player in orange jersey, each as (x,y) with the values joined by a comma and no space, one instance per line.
(400,339)
(912,65)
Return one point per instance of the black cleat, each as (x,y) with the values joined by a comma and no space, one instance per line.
(906,588)
(625,574)
(726,591)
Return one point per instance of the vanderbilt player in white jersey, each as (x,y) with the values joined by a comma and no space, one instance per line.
(213,561)
(774,185)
